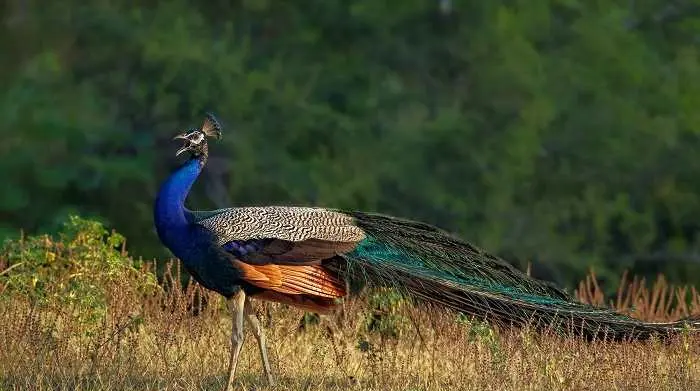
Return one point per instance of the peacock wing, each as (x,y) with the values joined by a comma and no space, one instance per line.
(278,234)
(281,222)
(283,248)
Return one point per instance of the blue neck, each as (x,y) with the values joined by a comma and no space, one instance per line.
(170,212)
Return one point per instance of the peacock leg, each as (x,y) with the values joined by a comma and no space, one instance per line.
(254,323)
(235,304)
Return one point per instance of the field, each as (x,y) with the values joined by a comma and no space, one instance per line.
(159,344)
(143,336)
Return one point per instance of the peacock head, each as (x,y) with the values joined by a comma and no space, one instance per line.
(196,139)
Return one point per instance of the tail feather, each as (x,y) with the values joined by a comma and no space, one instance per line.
(429,264)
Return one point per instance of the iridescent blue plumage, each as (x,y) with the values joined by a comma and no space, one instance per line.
(170,215)
(242,248)
(193,244)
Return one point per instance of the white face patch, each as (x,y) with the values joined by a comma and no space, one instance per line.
(196,138)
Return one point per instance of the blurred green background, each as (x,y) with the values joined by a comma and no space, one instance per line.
(559,132)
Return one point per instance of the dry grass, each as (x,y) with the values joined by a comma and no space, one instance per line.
(156,343)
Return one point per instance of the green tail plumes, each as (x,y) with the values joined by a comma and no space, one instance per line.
(430,265)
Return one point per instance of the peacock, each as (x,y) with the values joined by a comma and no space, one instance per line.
(308,257)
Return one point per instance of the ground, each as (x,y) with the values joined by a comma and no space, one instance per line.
(164,342)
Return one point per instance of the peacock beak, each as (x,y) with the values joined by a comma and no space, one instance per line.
(185,147)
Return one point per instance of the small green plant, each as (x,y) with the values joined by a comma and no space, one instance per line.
(482,332)
(74,272)
(386,316)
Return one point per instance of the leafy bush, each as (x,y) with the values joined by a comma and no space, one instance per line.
(75,272)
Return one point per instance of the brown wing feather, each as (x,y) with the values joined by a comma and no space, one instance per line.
(306,252)
(312,280)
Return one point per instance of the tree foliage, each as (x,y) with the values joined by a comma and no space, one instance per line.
(562,132)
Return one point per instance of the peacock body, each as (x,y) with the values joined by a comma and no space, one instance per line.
(306,257)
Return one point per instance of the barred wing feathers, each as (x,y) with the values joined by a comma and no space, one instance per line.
(282,249)
(286,223)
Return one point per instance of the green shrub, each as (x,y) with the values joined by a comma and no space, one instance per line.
(75,272)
